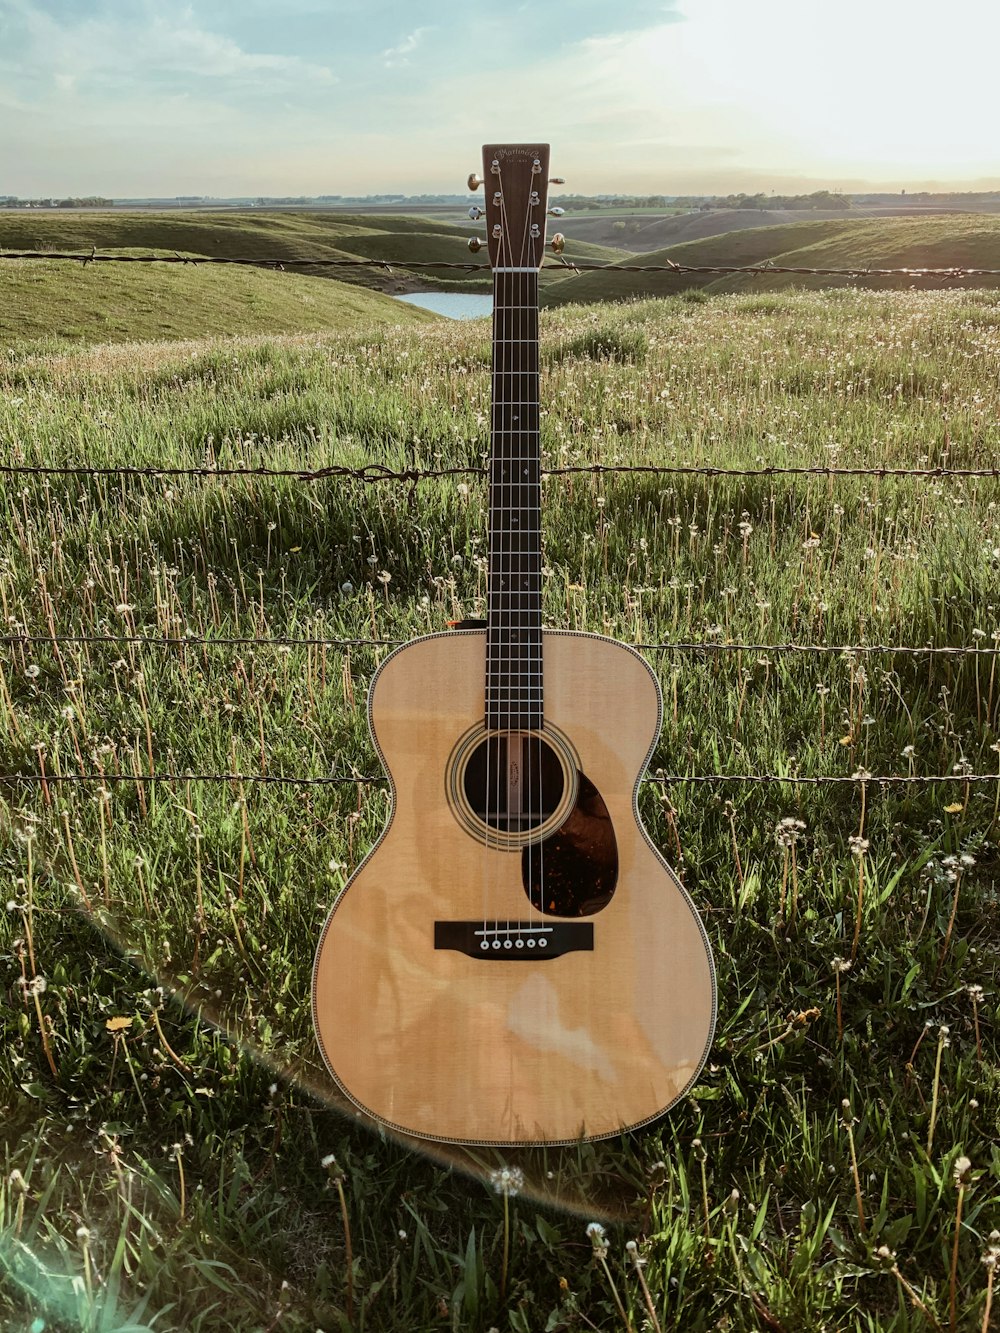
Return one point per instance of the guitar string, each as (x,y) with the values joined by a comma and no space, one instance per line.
(533,600)
(518,396)
(504,379)
(535,660)
(512,322)
(499,557)
(512,377)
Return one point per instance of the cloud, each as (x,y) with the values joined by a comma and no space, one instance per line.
(394,56)
(151,44)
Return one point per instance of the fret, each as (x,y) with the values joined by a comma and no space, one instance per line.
(514,590)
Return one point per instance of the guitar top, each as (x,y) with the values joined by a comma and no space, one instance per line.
(514,962)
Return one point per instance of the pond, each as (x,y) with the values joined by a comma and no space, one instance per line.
(456,305)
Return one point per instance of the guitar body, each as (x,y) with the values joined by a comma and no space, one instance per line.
(461,992)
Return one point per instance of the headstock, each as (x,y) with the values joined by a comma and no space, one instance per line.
(516,184)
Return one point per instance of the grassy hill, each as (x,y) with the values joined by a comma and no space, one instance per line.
(938,241)
(116,303)
(275,235)
(642,231)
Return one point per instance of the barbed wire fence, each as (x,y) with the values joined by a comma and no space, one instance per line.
(376,473)
(562,265)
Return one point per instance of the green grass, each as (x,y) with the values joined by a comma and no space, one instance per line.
(941,241)
(131,302)
(169,1173)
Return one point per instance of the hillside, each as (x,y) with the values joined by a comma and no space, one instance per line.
(938,241)
(118,303)
(644,231)
(275,235)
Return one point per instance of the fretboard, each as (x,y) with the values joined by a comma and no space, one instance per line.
(514,633)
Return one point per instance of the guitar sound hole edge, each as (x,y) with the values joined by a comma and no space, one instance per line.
(550,756)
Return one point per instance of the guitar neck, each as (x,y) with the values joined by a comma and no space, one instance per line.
(514,614)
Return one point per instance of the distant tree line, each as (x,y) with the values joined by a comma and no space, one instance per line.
(818,199)
(801,202)
(88,201)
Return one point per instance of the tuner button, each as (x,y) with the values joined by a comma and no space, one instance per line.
(475,244)
(476,213)
(557,180)
(556,212)
(475,181)
(558,243)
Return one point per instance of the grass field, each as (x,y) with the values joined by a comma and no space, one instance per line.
(939,241)
(172,1155)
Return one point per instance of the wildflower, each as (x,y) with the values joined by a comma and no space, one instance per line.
(858,846)
(840,965)
(788,831)
(960,1172)
(598,1239)
(32,671)
(347,588)
(507,1180)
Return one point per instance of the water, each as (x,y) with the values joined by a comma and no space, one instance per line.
(456,305)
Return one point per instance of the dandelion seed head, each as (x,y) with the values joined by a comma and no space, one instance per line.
(507,1180)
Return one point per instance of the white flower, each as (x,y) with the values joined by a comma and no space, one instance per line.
(507,1180)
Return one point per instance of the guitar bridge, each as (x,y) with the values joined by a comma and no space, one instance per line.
(514,941)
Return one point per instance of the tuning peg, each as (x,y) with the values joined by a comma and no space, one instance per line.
(558,243)
(476,213)
(475,244)
(556,212)
(475,181)
(557,180)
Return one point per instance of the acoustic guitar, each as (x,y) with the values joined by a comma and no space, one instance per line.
(514,962)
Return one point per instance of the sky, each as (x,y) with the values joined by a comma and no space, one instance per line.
(244,97)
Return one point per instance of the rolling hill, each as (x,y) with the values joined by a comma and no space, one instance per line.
(276,235)
(938,241)
(646,230)
(119,303)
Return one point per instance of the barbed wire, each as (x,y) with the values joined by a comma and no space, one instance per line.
(679,646)
(373,779)
(376,472)
(563,265)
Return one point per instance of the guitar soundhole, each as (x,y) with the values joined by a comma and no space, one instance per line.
(513,782)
